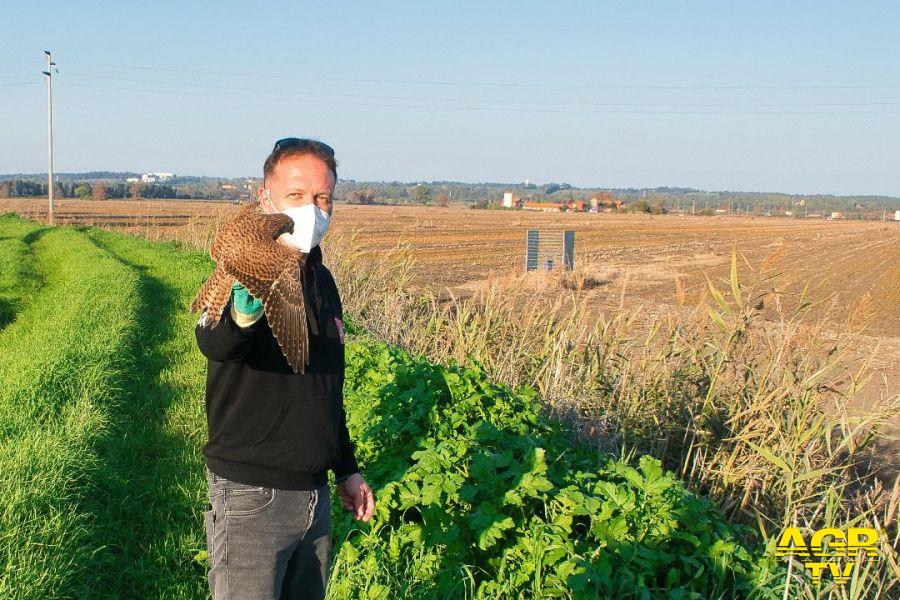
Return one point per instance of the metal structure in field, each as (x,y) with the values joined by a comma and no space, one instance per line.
(549,250)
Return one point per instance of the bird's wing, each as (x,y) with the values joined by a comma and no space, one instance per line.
(213,295)
(286,313)
(205,293)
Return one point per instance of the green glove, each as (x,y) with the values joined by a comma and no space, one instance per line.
(242,301)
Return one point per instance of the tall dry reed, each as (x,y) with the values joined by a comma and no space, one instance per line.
(755,404)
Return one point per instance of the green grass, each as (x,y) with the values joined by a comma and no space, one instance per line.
(102,421)
(64,360)
(18,276)
(101,411)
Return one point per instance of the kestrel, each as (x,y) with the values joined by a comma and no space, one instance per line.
(246,249)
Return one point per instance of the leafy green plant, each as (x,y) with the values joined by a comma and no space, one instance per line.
(481,495)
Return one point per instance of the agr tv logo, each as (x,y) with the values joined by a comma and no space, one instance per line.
(826,548)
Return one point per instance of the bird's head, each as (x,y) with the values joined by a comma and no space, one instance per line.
(283,224)
(283,227)
(277,226)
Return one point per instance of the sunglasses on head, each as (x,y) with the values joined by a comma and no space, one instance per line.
(294,142)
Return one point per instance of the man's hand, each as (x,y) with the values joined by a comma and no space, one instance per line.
(356,496)
(245,309)
(242,301)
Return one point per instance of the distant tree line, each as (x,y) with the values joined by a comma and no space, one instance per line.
(658,200)
(434,193)
(100,190)
(77,177)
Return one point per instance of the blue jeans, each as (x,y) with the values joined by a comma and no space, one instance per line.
(266,543)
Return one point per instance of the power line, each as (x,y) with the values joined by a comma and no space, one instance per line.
(295,93)
(23,83)
(14,77)
(17,64)
(605,86)
(504,109)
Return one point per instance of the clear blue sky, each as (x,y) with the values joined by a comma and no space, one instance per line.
(799,97)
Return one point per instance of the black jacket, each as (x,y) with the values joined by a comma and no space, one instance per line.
(268,425)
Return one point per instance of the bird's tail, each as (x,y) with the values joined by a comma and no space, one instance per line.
(212,296)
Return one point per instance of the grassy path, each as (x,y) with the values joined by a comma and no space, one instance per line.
(19,279)
(152,489)
(101,414)
(64,359)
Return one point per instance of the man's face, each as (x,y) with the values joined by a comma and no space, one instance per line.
(298,180)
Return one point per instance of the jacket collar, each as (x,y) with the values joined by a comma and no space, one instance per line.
(314,256)
(311,287)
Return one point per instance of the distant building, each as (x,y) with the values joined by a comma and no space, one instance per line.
(133,179)
(605,200)
(511,200)
(154,177)
(544,206)
(837,215)
(897,215)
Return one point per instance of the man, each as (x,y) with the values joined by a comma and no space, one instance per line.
(273,433)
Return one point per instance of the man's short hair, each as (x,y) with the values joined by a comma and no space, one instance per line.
(289,147)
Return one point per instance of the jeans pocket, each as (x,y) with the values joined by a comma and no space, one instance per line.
(242,499)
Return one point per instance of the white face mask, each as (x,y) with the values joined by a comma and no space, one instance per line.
(310,225)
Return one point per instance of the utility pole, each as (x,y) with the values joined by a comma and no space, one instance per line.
(49,74)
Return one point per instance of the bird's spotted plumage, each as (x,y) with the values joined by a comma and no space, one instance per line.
(246,249)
